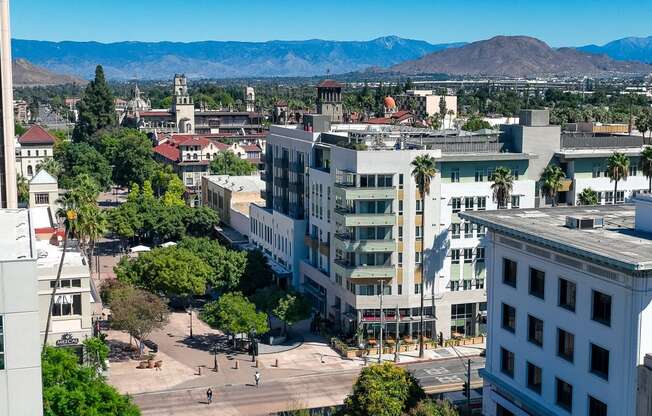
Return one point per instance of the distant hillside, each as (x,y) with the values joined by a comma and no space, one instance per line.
(27,75)
(213,59)
(627,49)
(517,56)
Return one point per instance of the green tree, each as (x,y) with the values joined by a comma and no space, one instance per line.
(79,158)
(200,221)
(96,109)
(588,197)
(169,271)
(174,191)
(292,308)
(257,273)
(442,110)
(233,314)
(162,176)
(552,179)
(51,166)
(503,183)
(135,311)
(23,189)
(383,390)
(19,129)
(70,389)
(643,121)
(130,153)
(97,352)
(423,170)
(228,265)
(645,163)
(228,163)
(617,169)
(476,123)
(429,407)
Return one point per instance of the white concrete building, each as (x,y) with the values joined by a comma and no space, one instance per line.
(425,103)
(8,192)
(20,349)
(35,146)
(570,309)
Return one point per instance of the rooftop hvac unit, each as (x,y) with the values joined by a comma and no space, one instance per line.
(584,223)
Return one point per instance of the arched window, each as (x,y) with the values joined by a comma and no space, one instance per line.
(30,171)
(194,156)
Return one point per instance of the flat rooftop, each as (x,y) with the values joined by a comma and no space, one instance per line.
(15,235)
(618,244)
(251,183)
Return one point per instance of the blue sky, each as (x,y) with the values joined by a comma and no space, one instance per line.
(560,23)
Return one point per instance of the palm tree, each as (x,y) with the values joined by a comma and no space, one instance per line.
(646,165)
(423,170)
(617,169)
(588,197)
(552,178)
(51,166)
(92,226)
(23,188)
(502,186)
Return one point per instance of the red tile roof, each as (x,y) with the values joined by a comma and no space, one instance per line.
(329,83)
(168,151)
(192,141)
(251,148)
(36,135)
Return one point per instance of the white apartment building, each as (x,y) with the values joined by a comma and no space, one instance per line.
(570,309)
(20,349)
(425,103)
(342,212)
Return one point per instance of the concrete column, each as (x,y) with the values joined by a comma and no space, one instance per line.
(8,195)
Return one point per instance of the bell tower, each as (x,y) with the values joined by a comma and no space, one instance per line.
(182,105)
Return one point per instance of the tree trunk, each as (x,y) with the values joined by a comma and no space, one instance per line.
(423,269)
(54,289)
(615,190)
(649,185)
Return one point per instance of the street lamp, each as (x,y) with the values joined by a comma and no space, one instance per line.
(190,314)
(254,345)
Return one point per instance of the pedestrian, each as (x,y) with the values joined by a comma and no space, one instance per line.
(257,377)
(209,396)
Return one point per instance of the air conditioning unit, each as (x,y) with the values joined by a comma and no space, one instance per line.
(584,223)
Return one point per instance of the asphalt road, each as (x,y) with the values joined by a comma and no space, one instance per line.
(319,389)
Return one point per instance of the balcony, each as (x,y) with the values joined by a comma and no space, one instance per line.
(347,242)
(349,219)
(352,193)
(371,273)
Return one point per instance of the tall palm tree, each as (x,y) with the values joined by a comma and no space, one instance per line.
(23,188)
(92,226)
(552,178)
(423,170)
(646,165)
(617,169)
(502,186)
(588,197)
(51,166)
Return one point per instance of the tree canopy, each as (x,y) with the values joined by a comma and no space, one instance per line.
(228,266)
(503,183)
(475,123)
(257,273)
(292,308)
(96,109)
(80,158)
(232,313)
(129,152)
(383,390)
(588,197)
(228,163)
(70,389)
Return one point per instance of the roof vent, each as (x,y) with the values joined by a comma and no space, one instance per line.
(584,223)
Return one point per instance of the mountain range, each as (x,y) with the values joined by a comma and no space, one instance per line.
(501,55)
(25,74)
(517,56)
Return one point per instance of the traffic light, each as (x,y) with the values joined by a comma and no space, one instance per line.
(466,389)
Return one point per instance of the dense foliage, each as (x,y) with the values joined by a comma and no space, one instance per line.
(234,314)
(81,158)
(227,163)
(129,152)
(228,266)
(96,109)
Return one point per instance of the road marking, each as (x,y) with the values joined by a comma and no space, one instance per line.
(449,379)
(436,371)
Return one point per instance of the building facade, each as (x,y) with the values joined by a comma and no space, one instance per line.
(570,309)
(20,349)
(35,146)
(425,104)
(8,191)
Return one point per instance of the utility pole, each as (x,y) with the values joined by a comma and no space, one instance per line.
(380,344)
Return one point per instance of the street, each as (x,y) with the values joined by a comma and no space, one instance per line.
(314,390)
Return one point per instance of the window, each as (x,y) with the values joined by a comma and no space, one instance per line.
(417,288)
(455,285)
(42,198)
(468,255)
(509,272)
(565,345)
(2,345)
(600,361)
(633,170)
(509,318)
(479,284)
(65,283)
(468,230)
(479,175)
(609,197)
(367,181)
(482,203)
(620,197)
(400,259)
(65,305)
(516,201)
(468,203)
(456,203)
(399,289)
(419,208)
(535,330)
(564,395)
(400,233)
(597,171)
(455,255)
(417,257)
(455,231)
(596,407)
(601,308)
(537,283)
(482,230)
(534,377)
(567,294)
(385,181)
(400,206)
(507,362)
(30,170)
(400,181)
(418,231)
(479,254)
(455,175)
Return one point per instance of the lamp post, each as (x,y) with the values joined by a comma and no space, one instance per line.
(190,315)
(254,345)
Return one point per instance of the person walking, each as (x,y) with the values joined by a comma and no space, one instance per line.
(209,396)
(257,377)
